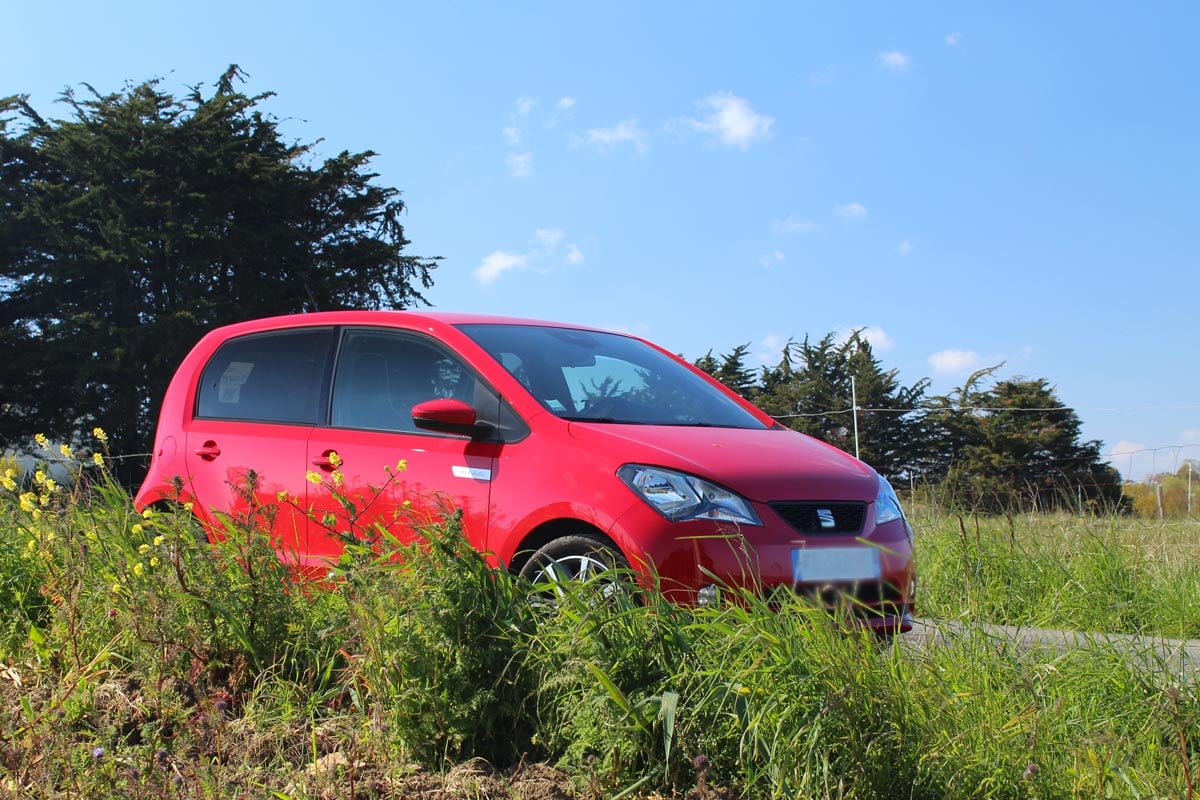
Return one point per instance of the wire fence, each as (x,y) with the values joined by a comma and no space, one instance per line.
(1140,464)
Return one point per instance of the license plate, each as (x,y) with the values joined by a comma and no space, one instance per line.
(835,564)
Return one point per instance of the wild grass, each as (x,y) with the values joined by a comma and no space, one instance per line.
(1105,574)
(138,660)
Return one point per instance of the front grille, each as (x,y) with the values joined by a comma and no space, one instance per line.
(807,517)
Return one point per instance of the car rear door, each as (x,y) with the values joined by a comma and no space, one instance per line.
(257,402)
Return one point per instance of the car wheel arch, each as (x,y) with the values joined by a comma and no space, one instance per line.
(554,529)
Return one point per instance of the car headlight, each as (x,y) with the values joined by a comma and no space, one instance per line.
(887,505)
(679,496)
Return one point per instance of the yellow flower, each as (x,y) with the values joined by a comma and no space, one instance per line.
(137,529)
(28,501)
(65,449)
(313,478)
(143,549)
(281,495)
(407,504)
(337,477)
(42,441)
(138,569)
(9,483)
(335,459)
(188,506)
(100,435)
(98,459)
(50,485)
(158,540)
(148,513)
(39,477)
(154,561)
(402,465)
(115,588)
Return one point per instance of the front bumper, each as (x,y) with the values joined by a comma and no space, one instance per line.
(691,559)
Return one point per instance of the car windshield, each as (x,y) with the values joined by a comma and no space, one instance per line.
(589,376)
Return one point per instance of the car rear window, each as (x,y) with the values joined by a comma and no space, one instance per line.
(273,377)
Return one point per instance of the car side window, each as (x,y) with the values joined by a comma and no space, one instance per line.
(274,377)
(381,375)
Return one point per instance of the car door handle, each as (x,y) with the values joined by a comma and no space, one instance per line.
(325,463)
(208,451)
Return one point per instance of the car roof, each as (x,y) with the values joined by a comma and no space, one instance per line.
(405,317)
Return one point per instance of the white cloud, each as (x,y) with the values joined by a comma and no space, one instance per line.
(878,337)
(773,258)
(874,334)
(904,248)
(953,361)
(496,264)
(548,238)
(566,103)
(1138,462)
(525,105)
(512,136)
(793,224)
(769,350)
(626,131)
(733,121)
(894,60)
(542,255)
(954,39)
(850,211)
(520,165)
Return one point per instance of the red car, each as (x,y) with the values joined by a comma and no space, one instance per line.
(566,449)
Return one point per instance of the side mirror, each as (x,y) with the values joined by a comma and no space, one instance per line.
(447,415)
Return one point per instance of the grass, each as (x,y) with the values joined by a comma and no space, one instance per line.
(1106,574)
(137,660)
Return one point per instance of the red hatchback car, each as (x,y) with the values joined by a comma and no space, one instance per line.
(565,449)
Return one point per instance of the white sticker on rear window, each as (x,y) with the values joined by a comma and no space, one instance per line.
(235,375)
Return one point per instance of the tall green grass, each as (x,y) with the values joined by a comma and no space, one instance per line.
(1110,574)
(138,660)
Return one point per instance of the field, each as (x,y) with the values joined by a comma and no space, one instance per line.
(139,661)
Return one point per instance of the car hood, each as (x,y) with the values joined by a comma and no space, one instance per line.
(762,465)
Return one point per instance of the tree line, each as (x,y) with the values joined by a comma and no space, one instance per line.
(990,445)
(142,220)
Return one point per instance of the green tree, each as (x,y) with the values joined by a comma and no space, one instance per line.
(732,370)
(811,391)
(143,220)
(1016,447)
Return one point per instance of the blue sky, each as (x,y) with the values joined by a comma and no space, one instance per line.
(972,183)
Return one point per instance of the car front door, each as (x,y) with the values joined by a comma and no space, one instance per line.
(387,471)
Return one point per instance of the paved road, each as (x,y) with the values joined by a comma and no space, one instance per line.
(1157,653)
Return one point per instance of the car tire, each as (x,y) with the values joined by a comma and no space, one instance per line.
(575,557)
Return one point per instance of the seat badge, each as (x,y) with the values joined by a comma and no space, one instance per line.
(825,515)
